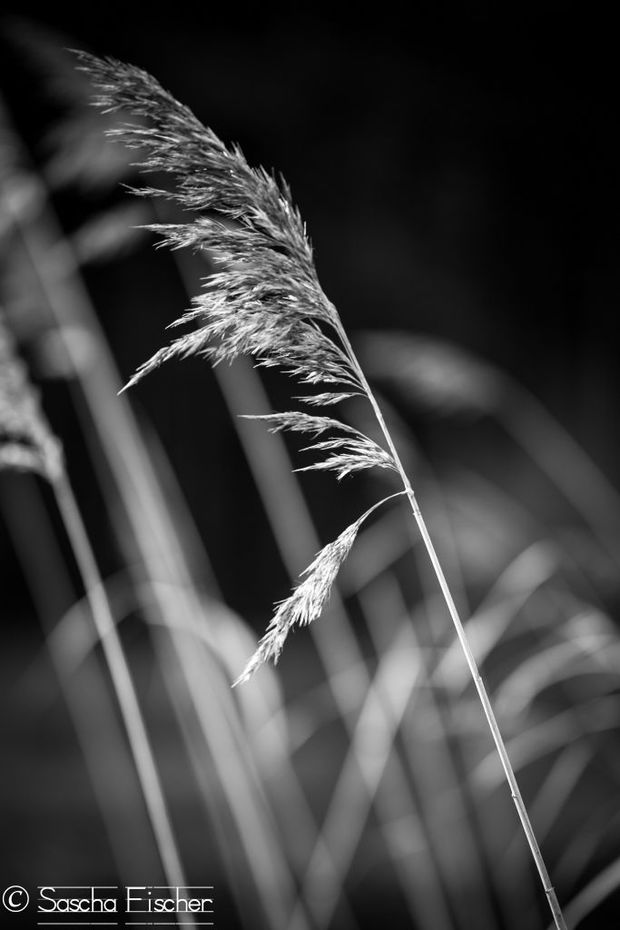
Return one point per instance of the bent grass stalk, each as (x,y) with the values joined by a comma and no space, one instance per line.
(426,708)
(424,884)
(110,427)
(384,591)
(269,304)
(121,678)
(348,679)
(466,648)
(473,667)
(28,444)
(85,688)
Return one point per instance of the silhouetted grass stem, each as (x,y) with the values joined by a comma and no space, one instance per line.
(469,656)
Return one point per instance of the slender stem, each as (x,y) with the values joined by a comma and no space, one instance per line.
(150,538)
(85,688)
(123,684)
(469,656)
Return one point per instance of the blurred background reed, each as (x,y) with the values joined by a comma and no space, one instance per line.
(459,181)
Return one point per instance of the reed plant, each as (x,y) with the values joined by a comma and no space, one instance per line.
(155,549)
(265,301)
(350,681)
(28,444)
(411,787)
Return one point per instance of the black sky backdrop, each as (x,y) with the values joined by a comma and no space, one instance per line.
(458,173)
(457,170)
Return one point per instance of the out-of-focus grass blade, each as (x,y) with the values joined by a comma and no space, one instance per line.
(554,794)
(86,691)
(296,537)
(595,893)
(557,731)
(493,617)
(369,754)
(450,380)
(435,756)
(149,535)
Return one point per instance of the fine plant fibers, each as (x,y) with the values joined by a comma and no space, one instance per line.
(266,302)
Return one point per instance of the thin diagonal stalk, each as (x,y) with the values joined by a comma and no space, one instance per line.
(303,821)
(123,685)
(209,693)
(107,760)
(292,525)
(273,308)
(299,824)
(446,748)
(112,434)
(519,581)
(202,763)
(336,643)
(373,737)
(385,598)
(412,457)
(597,715)
(469,656)
(553,795)
(296,538)
(394,687)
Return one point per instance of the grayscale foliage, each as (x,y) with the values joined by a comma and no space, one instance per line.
(264,300)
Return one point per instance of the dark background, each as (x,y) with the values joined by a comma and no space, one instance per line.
(458,173)
(457,170)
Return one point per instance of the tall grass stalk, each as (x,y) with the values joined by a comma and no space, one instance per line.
(147,531)
(427,714)
(467,651)
(27,443)
(552,797)
(519,581)
(85,688)
(270,305)
(289,516)
(269,460)
(555,733)
(353,689)
(384,610)
(121,678)
(417,867)
(384,597)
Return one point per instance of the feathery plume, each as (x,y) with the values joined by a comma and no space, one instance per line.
(263,300)
(357,451)
(26,441)
(266,301)
(309,598)
(327,398)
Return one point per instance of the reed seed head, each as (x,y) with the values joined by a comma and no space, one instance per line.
(264,299)
(26,441)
